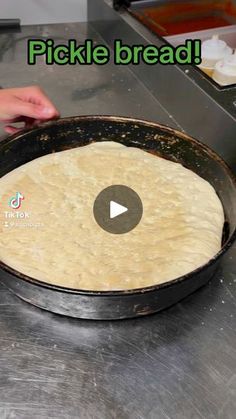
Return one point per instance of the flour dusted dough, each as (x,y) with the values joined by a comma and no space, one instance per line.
(181,228)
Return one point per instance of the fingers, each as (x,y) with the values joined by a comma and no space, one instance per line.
(28,105)
(28,124)
(36,96)
(13,120)
(11,130)
(31,110)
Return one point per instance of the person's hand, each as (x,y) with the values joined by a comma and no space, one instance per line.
(28,105)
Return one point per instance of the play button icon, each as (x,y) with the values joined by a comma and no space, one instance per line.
(118,209)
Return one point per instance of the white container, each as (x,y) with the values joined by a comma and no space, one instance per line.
(225,71)
(213,50)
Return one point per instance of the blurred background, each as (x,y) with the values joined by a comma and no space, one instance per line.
(44,11)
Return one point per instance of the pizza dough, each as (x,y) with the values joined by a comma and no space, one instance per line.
(59,241)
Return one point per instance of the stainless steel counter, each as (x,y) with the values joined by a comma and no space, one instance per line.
(178,364)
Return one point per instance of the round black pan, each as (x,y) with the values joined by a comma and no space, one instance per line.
(73,132)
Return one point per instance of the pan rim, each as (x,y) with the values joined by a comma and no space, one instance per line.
(135,291)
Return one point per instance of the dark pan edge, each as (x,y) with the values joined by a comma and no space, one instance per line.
(181,279)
